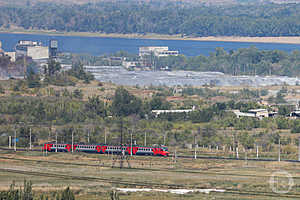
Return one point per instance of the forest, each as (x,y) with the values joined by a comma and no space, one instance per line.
(155,17)
(246,61)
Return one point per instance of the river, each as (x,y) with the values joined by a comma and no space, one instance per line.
(118,75)
(101,45)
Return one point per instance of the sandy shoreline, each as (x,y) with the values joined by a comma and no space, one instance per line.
(283,40)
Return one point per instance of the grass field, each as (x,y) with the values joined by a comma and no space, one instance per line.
(92,177)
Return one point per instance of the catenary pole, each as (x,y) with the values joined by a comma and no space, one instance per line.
(15,141)
(30,147)
(299,149)
(56,141)
(279,151)
(9,142)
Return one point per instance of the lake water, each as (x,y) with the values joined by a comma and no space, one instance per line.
(118,75)
(99,46)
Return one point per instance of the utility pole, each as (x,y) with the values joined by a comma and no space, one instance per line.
(131,143)
(88,136)
(25,66)
(72,141)
(56,141)
(299,149)
(237,152)
(105,135)
(15,142)
(145,142)
(256,151)
(30,138)
(279,150)
(165,139)
(9,142)
(175,155)
(195,153)
(121,127)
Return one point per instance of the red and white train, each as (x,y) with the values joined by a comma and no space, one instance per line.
(107,149)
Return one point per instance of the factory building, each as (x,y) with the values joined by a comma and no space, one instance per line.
(158,51)
(1,51)
(12,56)
(32,49)
(53,47)
(256,113)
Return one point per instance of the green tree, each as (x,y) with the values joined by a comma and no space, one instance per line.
(52,67)
(67,194)
(2,90)
(124,103)
(157,103)
(77,93)
(246,140)
(95,107)
(33,79)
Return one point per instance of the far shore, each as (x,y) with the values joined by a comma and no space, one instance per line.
(283,40)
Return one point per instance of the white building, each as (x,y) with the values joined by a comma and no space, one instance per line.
(32,49)
(159,51)
(257,113)
(158,112)
(38,52)
(12,56)
(130,64)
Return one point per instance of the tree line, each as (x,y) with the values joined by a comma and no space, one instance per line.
(155,17)
(246,61)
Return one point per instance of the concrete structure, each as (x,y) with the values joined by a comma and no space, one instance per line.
(238,113)
(130,64)
(38,52)
(1,51)
(12,56)
(53,47)
(159,51)
(295,114)
(158,112)
(32,49)
(258,113)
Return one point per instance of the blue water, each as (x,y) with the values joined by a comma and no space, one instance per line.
(99,46)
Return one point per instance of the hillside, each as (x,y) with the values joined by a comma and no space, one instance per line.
(158,17)
(80,2)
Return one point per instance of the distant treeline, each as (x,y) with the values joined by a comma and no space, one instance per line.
(161,18)
(248,61)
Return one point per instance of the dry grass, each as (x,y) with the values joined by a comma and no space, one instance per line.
(236,175)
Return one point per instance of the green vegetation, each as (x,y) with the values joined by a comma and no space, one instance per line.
(69,111)
(162,17)
(27,194)
(248,61)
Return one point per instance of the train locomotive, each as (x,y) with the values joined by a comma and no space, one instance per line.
(107,149)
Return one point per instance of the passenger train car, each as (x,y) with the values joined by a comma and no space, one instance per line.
(108,149)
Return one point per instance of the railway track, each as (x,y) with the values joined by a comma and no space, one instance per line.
(192,157)
(203,171)
(143,184)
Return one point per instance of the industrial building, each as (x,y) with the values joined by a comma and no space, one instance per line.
(32,49)
(158,112)
(1,51)
(257,113)
(53,47)
(158,51)
(12,56)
